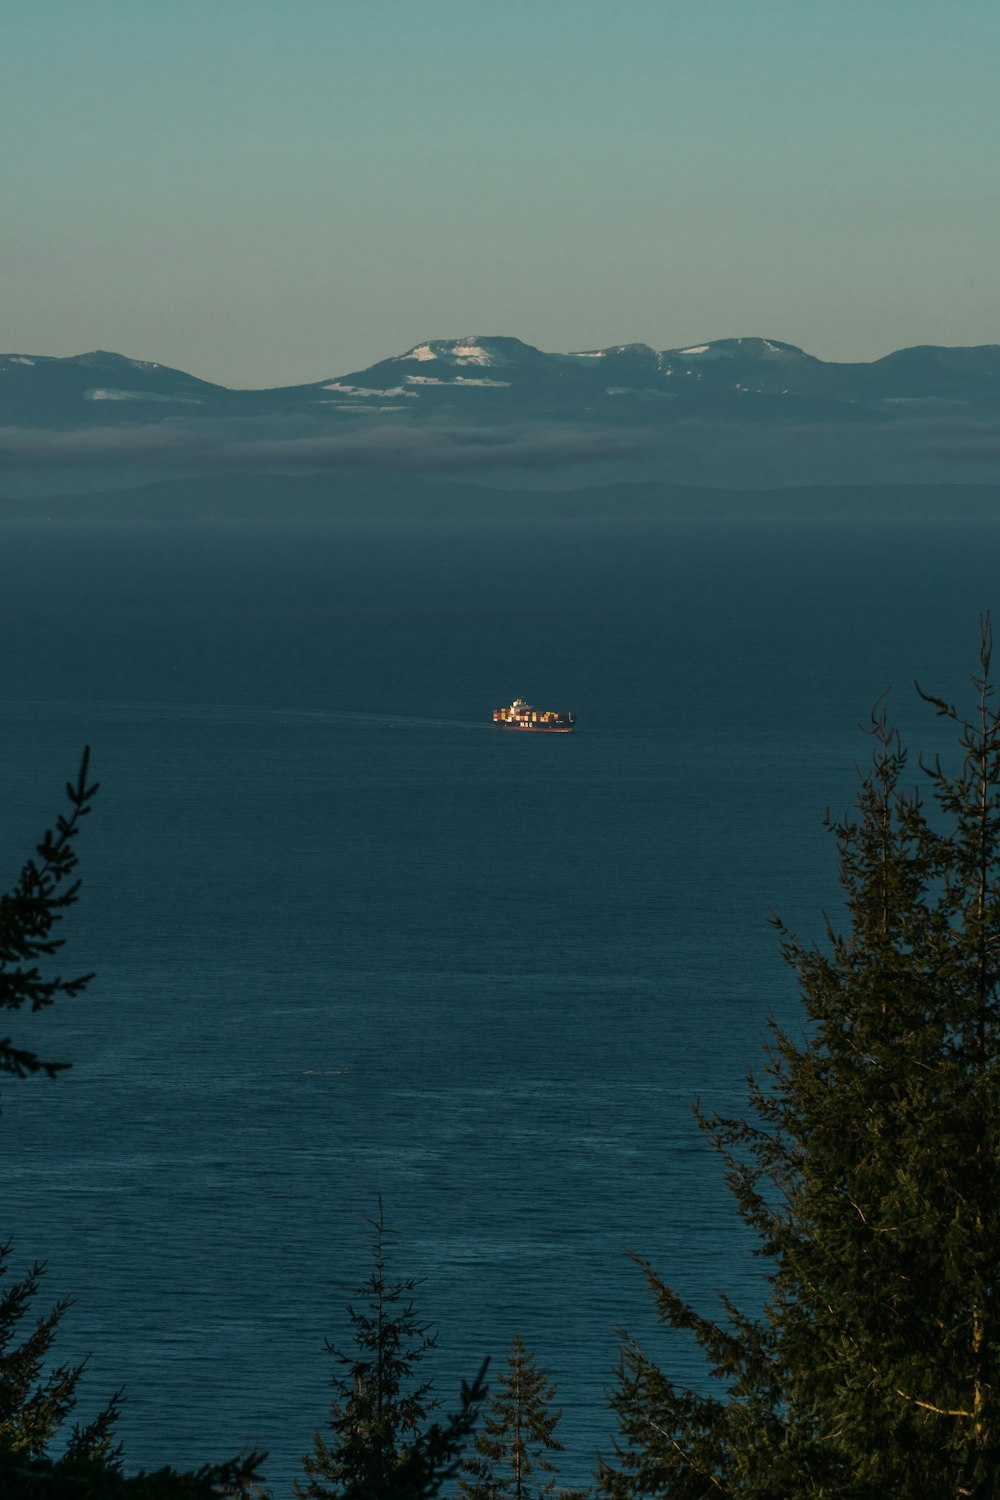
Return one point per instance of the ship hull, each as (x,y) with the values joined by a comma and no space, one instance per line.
(538,728)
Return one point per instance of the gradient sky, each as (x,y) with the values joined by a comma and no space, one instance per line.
(263,193)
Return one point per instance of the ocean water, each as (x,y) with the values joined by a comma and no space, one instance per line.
(351,941)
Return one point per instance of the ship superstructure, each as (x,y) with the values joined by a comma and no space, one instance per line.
(523,716)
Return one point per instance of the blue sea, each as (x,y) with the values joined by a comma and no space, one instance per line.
(351,941)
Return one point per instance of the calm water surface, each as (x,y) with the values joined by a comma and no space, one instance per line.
(351,941)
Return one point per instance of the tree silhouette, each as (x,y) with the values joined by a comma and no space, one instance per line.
(869,1167)
(518,1433)
(379,1447)
(36,1399)
(29,915)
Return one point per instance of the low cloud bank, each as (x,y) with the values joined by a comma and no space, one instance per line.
(387,449)
(733,455)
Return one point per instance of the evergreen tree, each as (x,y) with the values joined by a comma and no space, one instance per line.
(518,1432)
(246,1483)
(29,915)
(380,1448)
(869,1167)
(36,1400)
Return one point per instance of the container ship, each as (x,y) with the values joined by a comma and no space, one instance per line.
(523,716)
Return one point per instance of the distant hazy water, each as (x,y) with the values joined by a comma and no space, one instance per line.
(312,853)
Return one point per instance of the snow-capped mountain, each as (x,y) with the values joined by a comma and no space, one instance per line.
(742,412)
(478,376)
(702,372)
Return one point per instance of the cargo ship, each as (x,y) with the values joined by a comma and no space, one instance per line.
(523,716)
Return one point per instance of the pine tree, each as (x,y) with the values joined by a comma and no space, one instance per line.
(28,916)
(37,1399)
(869,1167)
(245,1484)
(380,1447)
(518,1432)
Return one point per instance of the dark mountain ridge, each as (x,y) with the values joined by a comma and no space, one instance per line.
(487,377)
(741,413)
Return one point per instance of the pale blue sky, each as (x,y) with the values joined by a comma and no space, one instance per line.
(264,192)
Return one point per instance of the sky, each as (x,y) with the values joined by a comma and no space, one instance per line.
(267,192)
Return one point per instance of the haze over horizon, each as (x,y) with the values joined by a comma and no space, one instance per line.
(267,196)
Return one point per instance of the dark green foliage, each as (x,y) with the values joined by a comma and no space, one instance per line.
(378,1447)
(244,1483)
(869,1167)
(28,916)
(36,1400)
(518,1432)
(76,1477)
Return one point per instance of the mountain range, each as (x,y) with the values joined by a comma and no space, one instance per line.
(737,379)
(741,414)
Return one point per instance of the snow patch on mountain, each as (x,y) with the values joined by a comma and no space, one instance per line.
(706,351)
(463,380)
(364,390)
(103,393)
(469,351)
(640,349)
(473,354)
